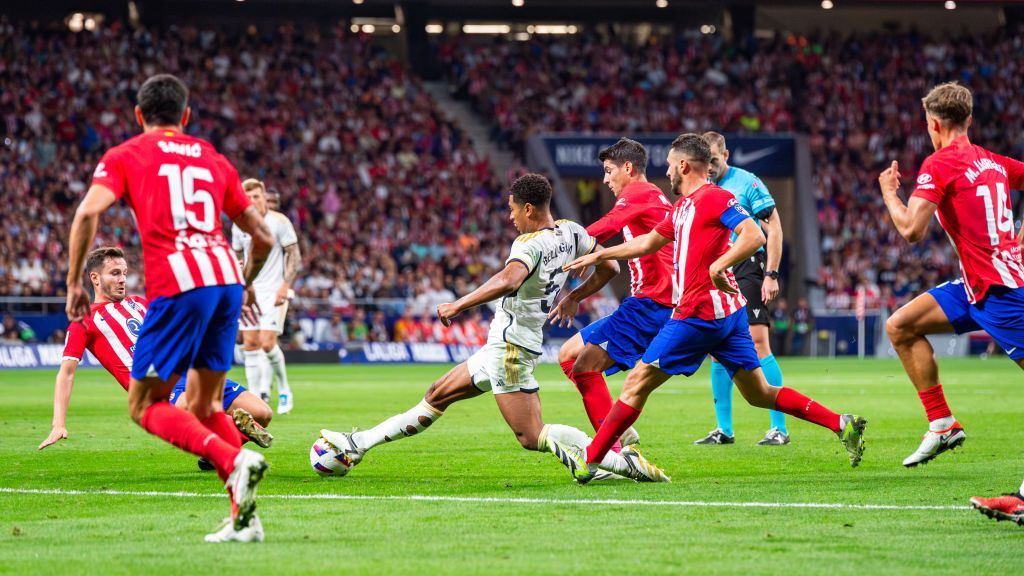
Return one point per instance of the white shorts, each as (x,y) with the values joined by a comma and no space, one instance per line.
(503,368)
(270,318)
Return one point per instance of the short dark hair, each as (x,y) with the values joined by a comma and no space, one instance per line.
(694,147)
(94,261)
(531,189)
(626,150)
(951,103)
(715,139)
(162,100)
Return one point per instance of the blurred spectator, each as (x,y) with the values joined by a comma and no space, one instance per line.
(405,327)
(16,332)
(781,328)
(379,328)
(803,323)
(58,336)
(358,331)
(334,332)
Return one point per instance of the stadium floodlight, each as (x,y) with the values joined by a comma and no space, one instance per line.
(950,5)
(396,28)
(827,4)
(435,28)
(357,1)
(661,3)
(354,28)
(486,29)
(518,3)
(369,28)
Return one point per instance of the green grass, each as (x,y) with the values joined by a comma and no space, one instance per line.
(471,453)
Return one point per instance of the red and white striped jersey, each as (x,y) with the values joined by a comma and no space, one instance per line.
(639,208)
(177,186)
(109,331)
(701,226)
(971,187)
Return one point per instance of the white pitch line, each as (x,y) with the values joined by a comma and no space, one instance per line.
(494,500)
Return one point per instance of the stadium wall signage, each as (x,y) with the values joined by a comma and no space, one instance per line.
(768,157)
(37,356)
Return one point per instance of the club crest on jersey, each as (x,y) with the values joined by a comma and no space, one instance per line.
(134,326)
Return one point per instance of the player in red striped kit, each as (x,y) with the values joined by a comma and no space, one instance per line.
(178,186)
(110,332)
(967,188)
(618,340)
(709,316)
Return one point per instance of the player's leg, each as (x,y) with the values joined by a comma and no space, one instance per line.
(583,363)
(941,310)
(454,386)
(268,341)
(721,394)
(777,434)
(257,365)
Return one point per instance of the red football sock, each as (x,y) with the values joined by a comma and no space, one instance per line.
(597,400)
(224,426)
(796,404)
(934,402)
(182,429)
(619,418)
(567,369)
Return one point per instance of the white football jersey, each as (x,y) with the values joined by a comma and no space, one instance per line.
(272,275)
(519,317)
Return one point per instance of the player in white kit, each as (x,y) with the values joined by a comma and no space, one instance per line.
(263,357)
(526,287)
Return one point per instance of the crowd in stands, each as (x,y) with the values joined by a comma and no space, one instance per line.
(856,97)
(388,196)
(390,199)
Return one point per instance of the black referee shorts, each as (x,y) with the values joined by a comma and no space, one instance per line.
(750,276)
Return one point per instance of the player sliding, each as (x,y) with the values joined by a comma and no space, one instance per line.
(967,188)
(177,186)
(618,340)
(110,332)
(709,317)
(526,288)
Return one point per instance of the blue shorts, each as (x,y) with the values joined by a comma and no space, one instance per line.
(232,390)
(682,345)
(1000,313)
(627,332)
(194,329)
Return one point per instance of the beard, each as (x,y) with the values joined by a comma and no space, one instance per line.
(676,184)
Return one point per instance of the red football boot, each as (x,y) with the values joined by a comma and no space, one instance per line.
(1006,507)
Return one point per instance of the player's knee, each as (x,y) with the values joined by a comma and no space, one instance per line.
(137,406)
(566,353)
(262,414)
(898,329)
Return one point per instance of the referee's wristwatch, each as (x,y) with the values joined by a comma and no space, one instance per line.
(773,274)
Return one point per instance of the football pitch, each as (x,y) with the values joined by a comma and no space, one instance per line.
(464,498)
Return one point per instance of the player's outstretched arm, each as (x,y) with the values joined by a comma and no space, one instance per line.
(505,282)
(911,219)
(83,232)
(749,239)
(650,242)
(61,399)
(565,311)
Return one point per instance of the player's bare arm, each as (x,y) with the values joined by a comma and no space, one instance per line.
(505,282)
(911,219)
(773,230)
(83,232)
(749,239)
(61,399)
(564,312)
(251,222)
(292,260)
(646,244)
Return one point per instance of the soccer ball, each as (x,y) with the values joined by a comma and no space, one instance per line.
(326,461)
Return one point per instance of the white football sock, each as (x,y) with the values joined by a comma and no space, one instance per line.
(940,424)
(276,358)
(253,371)
(1021,492)
(409,423)
(266,373)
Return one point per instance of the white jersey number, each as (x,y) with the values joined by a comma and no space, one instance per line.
(998,215)
(189,206)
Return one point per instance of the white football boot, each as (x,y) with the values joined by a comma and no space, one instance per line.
(227,533)
(343,442)
(935,443)
(249,470)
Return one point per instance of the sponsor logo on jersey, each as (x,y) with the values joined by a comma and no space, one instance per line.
(134,326)
(924,178)
(193,150)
